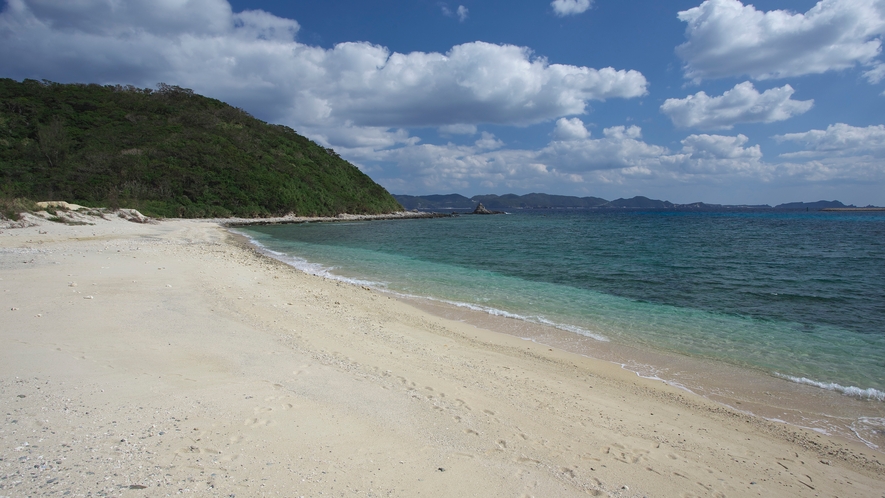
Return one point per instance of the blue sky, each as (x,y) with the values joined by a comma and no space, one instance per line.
(716,101)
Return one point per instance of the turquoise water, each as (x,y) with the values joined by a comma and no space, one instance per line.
(795,295)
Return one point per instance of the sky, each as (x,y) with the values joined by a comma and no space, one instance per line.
(716,101)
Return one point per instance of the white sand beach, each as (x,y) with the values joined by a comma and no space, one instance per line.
(161,359)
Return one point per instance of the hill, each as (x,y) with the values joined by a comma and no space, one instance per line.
(168,152)
(640,202)
(817,205)
(548,201)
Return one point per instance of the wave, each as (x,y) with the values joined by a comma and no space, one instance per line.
(327,272)
(856,392)
(306,266)
(532,319)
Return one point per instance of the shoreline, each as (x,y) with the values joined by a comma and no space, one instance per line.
(216,370)
(851,413)
(784,400)
(291,219)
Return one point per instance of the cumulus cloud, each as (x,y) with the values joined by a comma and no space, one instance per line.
(718,154)
(841,152)
(114,18)
(839,140)
(350,94)
(472,83)
(727,39)
(573,159)
(564,8)
(620,147)
(741,104)
(570,129)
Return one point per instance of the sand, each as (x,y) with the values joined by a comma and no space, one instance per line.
(162,359)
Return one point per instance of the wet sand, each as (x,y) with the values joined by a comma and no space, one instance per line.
(742,389)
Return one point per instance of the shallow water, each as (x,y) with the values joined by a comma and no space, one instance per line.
(783,295)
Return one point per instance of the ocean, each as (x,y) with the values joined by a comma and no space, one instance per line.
(779,313)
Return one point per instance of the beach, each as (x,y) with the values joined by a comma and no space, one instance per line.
(156,359)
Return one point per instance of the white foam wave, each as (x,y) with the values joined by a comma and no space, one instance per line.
(856,392)
(532,319)
(574,329)
(306,266)
(328,272)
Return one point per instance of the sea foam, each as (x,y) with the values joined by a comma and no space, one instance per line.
(869,393)
(328,272)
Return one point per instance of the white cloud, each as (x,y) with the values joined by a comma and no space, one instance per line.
(718,154)
(570,129)
(839,140)
(620,148)
(352,93)
(841,152)
(462,13)
(741,104)
(488,141)
(564,8)
(727,39)
(573,160)
(876,73)
(116,18)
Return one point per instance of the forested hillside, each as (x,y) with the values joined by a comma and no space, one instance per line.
(167,152)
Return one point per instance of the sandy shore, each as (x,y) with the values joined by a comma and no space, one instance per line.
(171,358)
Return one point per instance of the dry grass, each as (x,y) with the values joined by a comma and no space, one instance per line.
(12,208)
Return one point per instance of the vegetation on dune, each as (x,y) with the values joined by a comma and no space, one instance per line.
(167,152)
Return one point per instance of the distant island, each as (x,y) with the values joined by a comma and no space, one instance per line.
(460,203)
(169,153)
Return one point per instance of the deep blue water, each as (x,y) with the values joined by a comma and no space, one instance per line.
(794,294)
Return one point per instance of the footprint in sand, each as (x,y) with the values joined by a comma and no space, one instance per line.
(259,422)
(195,449)
(623,454)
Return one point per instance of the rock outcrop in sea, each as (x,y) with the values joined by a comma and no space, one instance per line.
(480,209)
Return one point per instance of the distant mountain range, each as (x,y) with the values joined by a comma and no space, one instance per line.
(457,202)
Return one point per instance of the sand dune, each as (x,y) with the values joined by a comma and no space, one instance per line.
(171,358)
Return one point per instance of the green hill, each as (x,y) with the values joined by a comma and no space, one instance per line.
(167,152)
